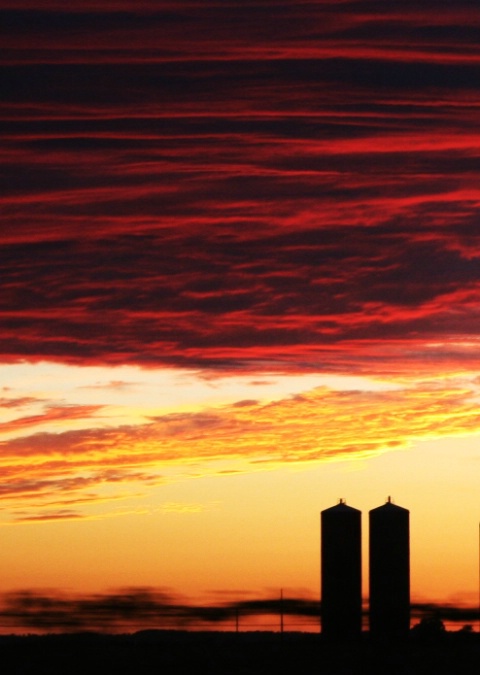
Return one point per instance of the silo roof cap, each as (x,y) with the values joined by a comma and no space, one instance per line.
(389,506)
(341,507)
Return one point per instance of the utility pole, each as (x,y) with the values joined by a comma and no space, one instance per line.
(281,611)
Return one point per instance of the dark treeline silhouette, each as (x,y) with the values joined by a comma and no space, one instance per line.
(445,612)
(137,608)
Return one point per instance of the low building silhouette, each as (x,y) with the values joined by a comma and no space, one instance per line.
(389,571)
(341,572)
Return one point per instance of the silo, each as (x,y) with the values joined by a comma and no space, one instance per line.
(341,572)
(389,571)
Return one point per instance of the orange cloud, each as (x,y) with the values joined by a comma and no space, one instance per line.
(52,414)
(320,425)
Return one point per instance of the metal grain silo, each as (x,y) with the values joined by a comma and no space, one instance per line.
(341,572)
(389,571)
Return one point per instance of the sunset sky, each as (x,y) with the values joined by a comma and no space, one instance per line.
(240,279)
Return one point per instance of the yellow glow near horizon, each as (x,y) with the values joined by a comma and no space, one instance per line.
(107,485)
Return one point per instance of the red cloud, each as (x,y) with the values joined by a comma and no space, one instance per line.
(51,414)
(20,402)
(189,187)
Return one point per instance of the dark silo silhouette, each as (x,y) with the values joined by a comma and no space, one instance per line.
(389,572)
(341,576)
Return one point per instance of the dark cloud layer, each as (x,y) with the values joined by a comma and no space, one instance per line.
(227,185)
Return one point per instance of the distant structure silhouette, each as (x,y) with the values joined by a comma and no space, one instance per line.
(389,571)
(341,575)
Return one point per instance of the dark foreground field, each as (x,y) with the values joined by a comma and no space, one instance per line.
(168,652)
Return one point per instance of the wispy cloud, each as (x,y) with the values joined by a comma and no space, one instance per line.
(84,466)
(50,415)
(201,186)
(18,402)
